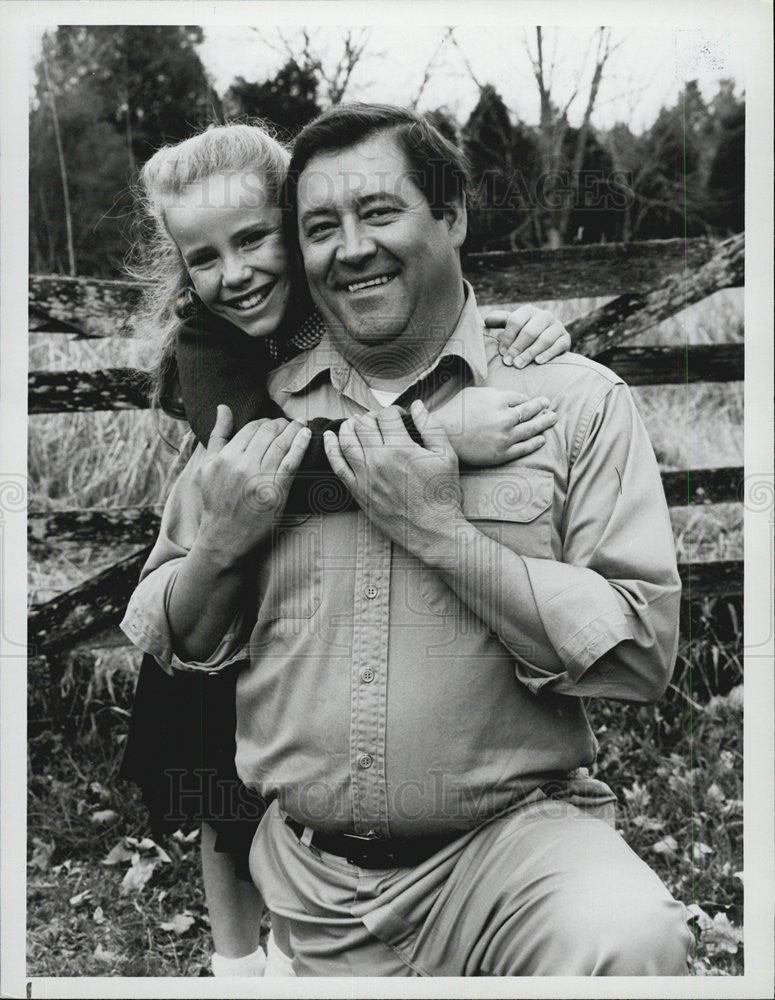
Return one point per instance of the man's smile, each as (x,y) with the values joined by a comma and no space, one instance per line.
(358,286)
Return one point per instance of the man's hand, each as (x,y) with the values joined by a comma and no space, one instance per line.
(528,334)
(245,481)
(411,493)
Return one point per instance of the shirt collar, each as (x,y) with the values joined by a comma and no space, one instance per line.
(465,342)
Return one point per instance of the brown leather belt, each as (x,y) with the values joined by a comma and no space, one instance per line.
(372,852)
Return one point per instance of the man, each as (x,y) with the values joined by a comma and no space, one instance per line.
(417,668)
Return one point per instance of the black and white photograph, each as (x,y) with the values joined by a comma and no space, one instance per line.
(393,478)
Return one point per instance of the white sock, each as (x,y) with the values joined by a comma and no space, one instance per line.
(245,965)
(277,962)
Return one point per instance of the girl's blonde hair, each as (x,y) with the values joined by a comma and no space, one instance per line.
(168,296)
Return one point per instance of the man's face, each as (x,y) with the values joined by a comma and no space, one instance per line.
(382,270)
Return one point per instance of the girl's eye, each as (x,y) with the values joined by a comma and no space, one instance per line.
(253,239)
(200,260)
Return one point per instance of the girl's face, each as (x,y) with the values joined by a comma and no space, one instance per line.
(227,229)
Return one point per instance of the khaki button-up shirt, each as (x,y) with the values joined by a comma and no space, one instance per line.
(374,701)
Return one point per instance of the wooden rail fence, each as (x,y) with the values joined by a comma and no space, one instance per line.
(651,281)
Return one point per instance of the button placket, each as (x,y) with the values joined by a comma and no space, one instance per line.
(368,693)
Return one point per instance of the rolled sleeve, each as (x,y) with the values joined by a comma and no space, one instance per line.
(610,608)
(146,625)
(146,621)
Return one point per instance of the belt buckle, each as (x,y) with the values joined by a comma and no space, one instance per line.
(362,857)
(359,836)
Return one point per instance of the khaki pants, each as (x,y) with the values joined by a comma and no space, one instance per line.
(548,890)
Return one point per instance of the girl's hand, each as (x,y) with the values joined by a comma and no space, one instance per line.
(491,426)
(528,333)
(245,482)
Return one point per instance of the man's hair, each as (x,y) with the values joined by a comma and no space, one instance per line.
(437,166)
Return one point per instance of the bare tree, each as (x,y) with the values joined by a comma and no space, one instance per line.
(430,66)
(305,50)
(553,126)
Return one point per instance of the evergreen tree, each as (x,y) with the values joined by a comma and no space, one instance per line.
(288,101)
(501,157)
(726,181)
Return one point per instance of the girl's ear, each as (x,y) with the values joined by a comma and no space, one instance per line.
(456,217)
(185,303)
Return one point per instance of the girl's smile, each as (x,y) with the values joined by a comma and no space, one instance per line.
(228,233)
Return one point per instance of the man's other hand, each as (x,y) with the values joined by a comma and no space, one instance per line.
(411,493)
(245,481)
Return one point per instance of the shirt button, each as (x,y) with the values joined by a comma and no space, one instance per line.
(365,761)
(367,676)
(371,592)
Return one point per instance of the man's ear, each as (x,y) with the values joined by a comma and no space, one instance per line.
(456,217)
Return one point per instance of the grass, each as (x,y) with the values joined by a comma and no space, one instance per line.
(676,767)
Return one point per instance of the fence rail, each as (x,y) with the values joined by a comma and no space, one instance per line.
(127,388)
(652,281)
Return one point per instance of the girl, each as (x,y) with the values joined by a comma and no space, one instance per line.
(220,289)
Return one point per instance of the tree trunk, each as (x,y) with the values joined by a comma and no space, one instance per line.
(128,128)
(62,167)
(581,139)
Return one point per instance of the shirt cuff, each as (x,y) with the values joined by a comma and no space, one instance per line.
(146,626)
(580,612)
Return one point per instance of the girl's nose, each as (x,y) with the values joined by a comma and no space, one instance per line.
(235,271)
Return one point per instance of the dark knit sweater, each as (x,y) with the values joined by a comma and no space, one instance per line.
(218,363)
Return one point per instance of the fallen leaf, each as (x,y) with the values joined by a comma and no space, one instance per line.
(162,855)
(137,875)
(103,955)
(700,850)
(80,897)
(723,935)
(98,916)
(179,924)
(668,845)
(185,838)
(734,701)
(146,844)
(65,865)
(41,856)
(696,912)
(715,794)
(739,875)
(638,797)
(650,823)
(104,817)
(118,854)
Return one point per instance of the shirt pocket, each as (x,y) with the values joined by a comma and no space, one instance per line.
(294,589)
(511,504)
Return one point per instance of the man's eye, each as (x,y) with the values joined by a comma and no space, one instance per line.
(381,212)
(319,229)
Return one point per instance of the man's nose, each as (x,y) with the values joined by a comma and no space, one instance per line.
(235,271)
(356,244)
